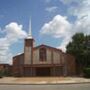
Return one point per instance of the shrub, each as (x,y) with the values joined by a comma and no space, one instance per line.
(1,73)
(86,72)
(4,73)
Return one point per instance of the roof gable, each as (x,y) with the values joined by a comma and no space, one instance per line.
(48,47)
(18,55)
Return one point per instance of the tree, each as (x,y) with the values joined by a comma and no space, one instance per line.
(87,50)
(80,48)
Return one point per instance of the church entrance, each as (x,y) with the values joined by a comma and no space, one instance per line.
(43,71)
(27,71)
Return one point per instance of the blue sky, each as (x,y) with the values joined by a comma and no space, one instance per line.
(54,22)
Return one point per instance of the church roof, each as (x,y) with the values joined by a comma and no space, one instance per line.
(41,46)
(46,46)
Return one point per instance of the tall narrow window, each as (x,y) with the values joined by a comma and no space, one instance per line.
(42,54)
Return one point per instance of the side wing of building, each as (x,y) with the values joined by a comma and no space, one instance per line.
(18,62)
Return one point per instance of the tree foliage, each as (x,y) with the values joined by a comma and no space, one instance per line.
(80,48)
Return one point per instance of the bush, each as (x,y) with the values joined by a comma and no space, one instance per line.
(86,72)
(4,73)
(1,73)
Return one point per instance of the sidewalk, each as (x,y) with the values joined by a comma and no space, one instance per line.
(43,80)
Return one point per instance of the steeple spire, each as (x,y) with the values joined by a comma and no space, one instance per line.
(30,30)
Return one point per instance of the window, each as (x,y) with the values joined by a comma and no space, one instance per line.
(42,54)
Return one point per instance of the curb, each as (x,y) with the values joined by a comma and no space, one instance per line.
(43,83)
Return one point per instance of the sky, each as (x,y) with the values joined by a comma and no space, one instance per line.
(54,22)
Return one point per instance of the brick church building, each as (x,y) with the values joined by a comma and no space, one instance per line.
(42,60)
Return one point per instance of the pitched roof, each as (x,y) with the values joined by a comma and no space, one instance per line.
(46,46)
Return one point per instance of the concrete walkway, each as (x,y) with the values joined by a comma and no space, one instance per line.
(43,80)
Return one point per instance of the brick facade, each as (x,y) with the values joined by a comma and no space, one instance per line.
(56,62)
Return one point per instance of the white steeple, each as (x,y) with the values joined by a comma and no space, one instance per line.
(30,30)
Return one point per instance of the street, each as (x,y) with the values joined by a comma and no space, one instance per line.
(47,87)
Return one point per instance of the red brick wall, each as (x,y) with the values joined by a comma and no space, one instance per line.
(29,42)
(71,69)
(18,61)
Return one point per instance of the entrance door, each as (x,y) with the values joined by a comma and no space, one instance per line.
(27,71)
(43,71)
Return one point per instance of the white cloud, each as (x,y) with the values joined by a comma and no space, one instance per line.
(70,1)
(82,9)
(82,12)
(83,25)
(59,26)
(51,9)
(14,32)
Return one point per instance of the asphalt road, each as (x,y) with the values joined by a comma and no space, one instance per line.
(46,87)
